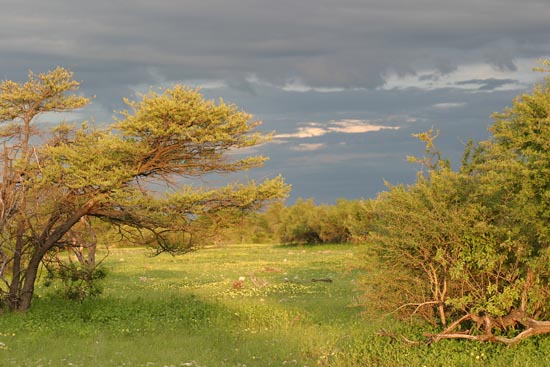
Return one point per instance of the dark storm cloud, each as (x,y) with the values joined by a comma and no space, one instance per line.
(324,43)
(410,64)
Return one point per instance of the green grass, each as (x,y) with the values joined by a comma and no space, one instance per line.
(186,311)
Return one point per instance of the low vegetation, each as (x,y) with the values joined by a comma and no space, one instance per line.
(193,310)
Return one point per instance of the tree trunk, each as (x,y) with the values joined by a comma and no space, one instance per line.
(27,292)
(91,254)
(15,285)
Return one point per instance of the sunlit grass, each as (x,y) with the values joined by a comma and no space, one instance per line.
(243,305)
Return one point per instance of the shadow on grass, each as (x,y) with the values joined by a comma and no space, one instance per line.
(308,245)
(168,330)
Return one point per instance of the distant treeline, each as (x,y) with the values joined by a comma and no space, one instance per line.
(304,222)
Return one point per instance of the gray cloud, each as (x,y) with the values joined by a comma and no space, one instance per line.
(448,105)
(347,43)
(348,65)
(486,84)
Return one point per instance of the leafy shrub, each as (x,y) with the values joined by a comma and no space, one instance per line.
(77,281)
(471,248)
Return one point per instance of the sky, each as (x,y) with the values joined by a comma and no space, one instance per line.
(342,83)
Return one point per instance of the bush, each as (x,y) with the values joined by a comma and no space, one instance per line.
(77,281)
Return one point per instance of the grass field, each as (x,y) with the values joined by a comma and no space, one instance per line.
(193,310)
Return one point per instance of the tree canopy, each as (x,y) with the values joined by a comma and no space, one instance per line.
(52,177)
(470,248)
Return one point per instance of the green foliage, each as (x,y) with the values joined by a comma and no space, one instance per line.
(187,133)
(45,92)
(307,223)
(301,223)
(50,181)
(473,242)
(77,281)
(418,232)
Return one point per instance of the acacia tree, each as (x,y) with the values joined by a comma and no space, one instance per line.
(50,180)
(469,250)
